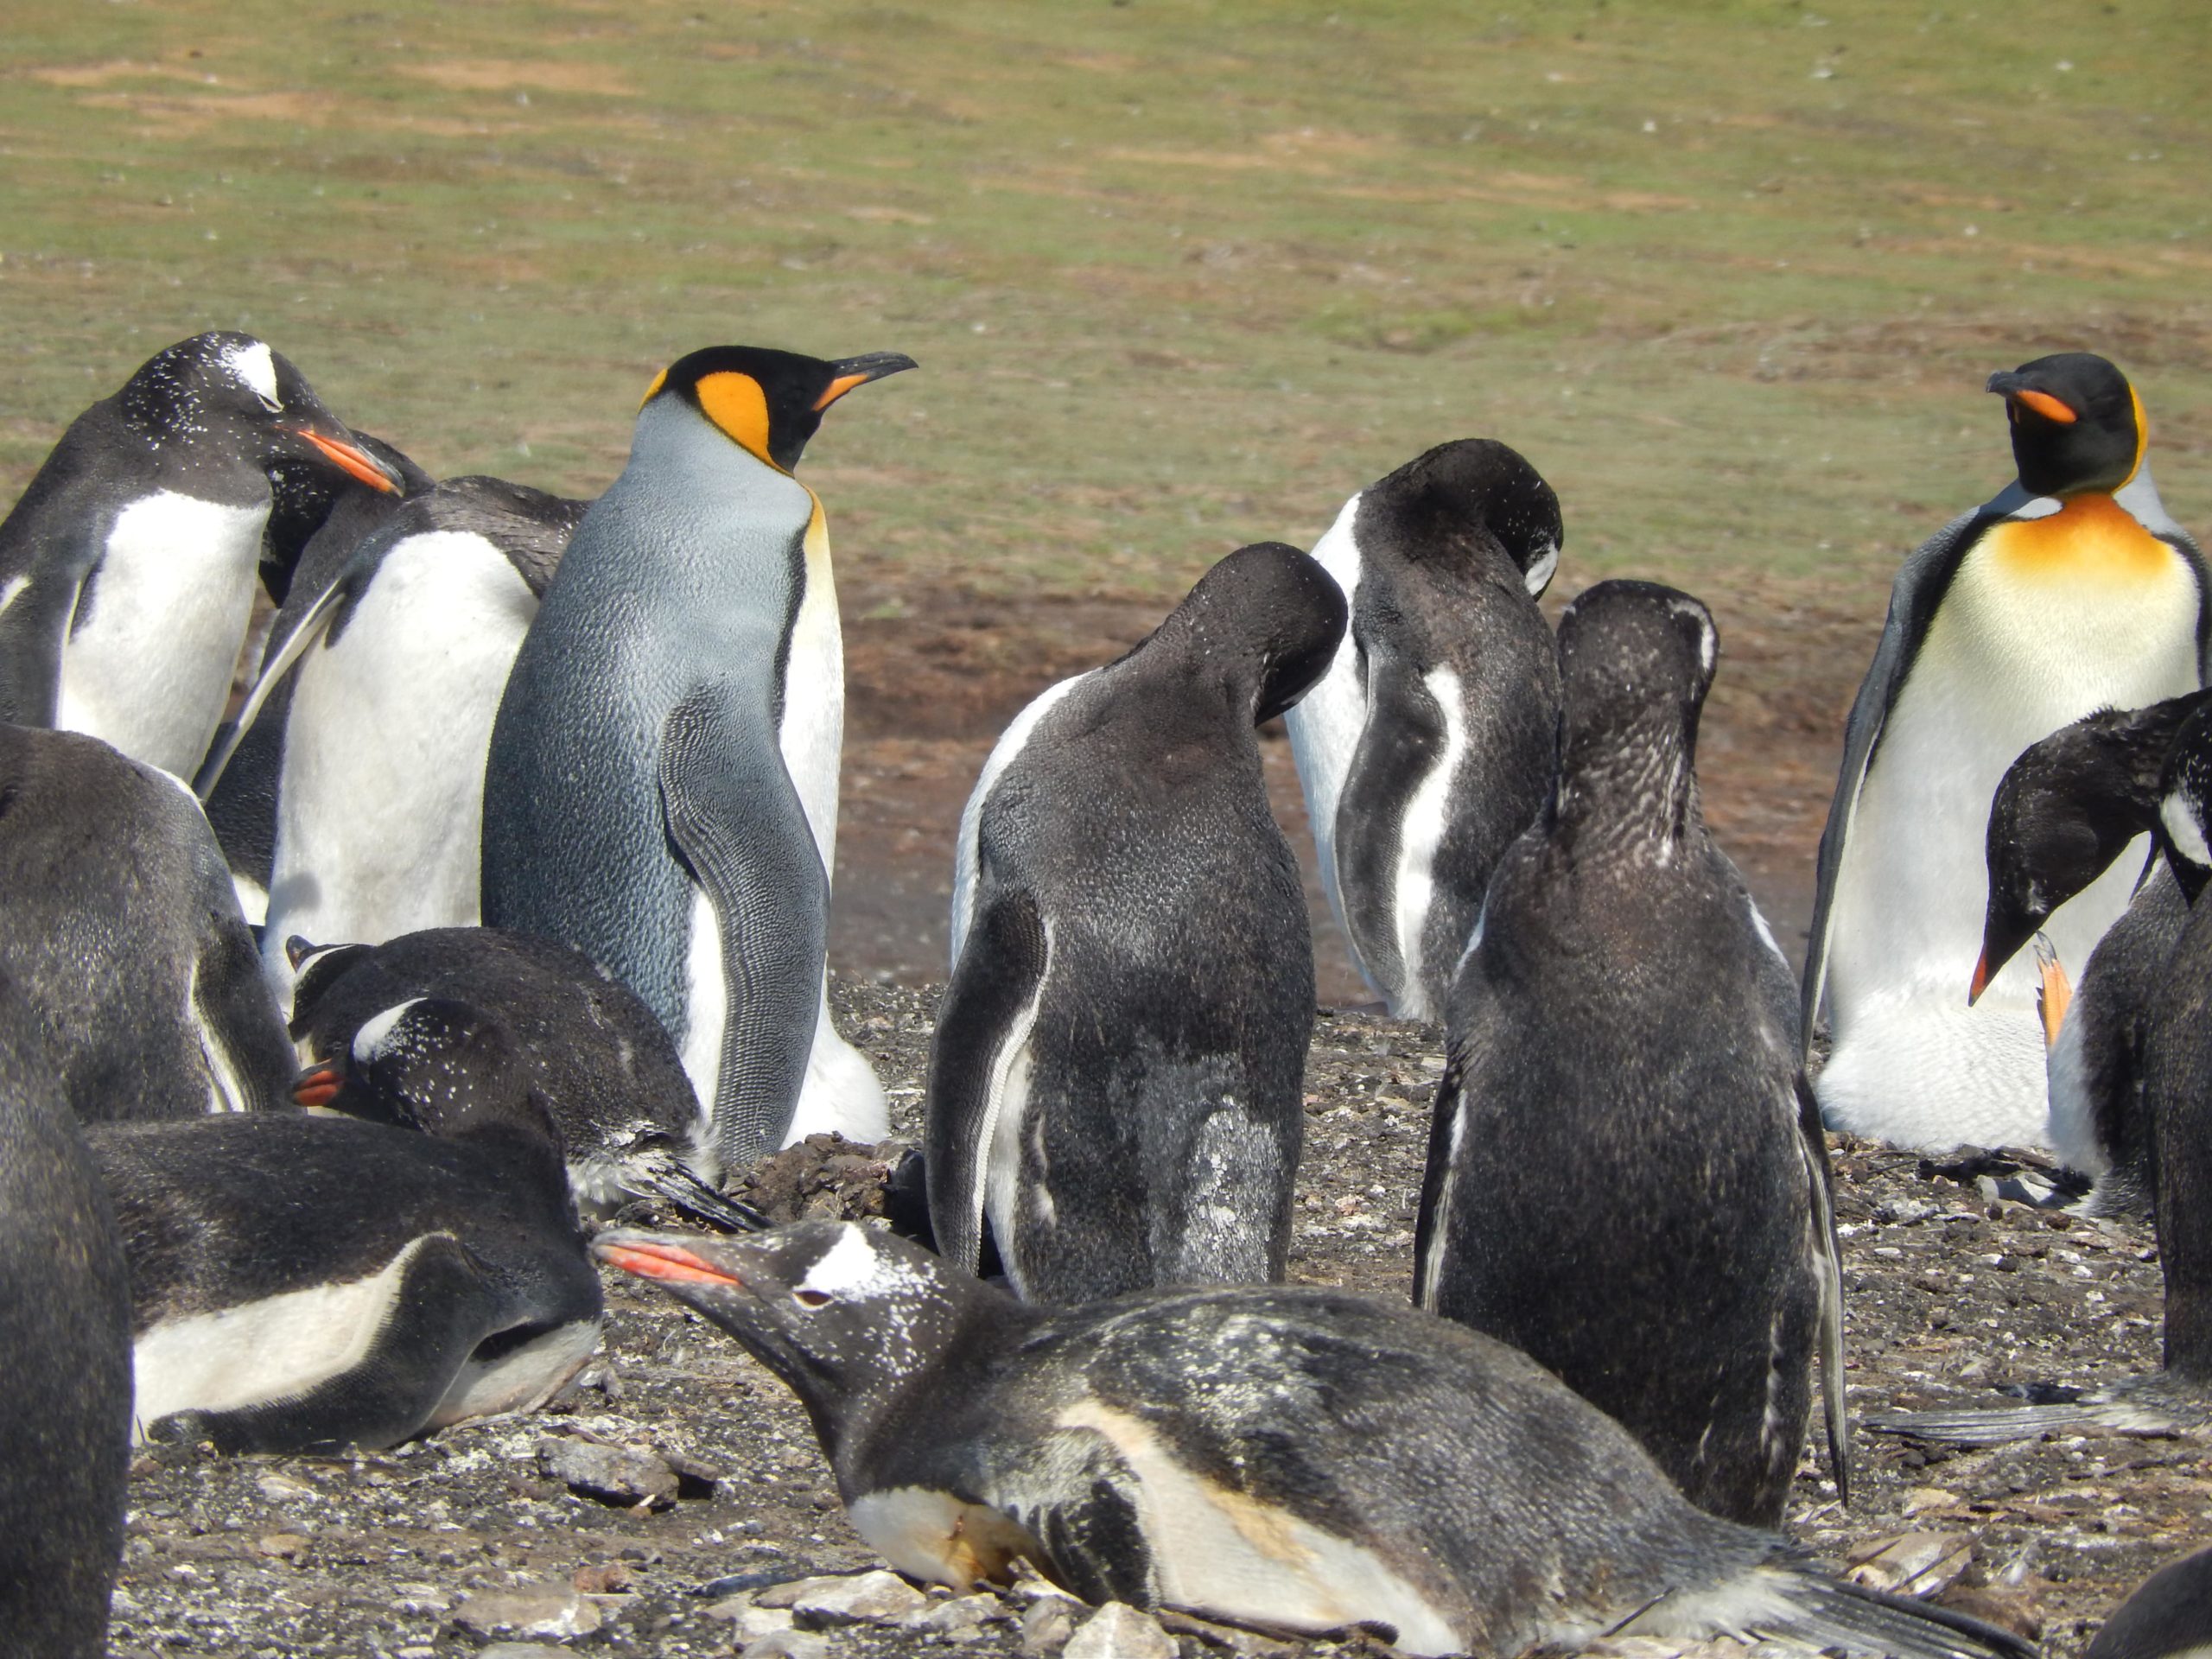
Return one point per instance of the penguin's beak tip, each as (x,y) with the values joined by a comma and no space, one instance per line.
(351,459)
(1980,979)
(648,1257)
(318,1085)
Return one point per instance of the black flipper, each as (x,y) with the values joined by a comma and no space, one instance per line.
(1431,1220)
(1003,965)
(738,823)
(1403,740)
(274,667)
(671,1177)
(1829,1261)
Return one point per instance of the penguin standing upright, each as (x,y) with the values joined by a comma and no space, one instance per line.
(1626,1179)
(1114,1077)
(127,570)
(123,929)
(662,792)
(2069,591)
(1428,744)
(65,1339)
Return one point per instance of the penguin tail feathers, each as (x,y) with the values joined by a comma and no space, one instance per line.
(1964,1425)
(1829,1615)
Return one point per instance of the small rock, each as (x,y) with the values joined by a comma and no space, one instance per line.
(695,1478)
(1046,1623)
(1918,1498)
(786,1644)
(1118,1631)
(862,1598)
(960,1619)
(624,1475)
(516,1651)
(607,1578)
(1912,1563)
(283,1546)
(541,1610)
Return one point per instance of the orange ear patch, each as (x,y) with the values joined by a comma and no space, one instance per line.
(735,402)
(2047,406)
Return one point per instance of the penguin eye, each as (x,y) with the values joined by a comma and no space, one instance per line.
(807,1296)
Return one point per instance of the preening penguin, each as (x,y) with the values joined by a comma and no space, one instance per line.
(662,792)
(65,1341)
(1428,744)
(2069,591)
(123,930)
(1626,1177)
(1297,1457)
(308,1281)
(127,570)
(1114,1077)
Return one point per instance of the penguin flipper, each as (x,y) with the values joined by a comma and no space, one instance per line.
(34,621)
(1827,1265)
(274,667)
(1918,588)
(739,823)
(1429,1226)
(987,1009)
(1403,741)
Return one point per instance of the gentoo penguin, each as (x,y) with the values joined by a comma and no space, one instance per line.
(1294,1456)
(1626,1175)
(1114,1077)
(308,496)
(2169,1617)
(2069,591)
(64,1334)
(127,570)
(309,1282)
(1428,744)
(662,792)
(124,932)
(2064,810)
(606,1073)
(394,664)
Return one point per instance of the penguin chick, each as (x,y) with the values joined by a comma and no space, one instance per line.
(1428,745)
(2069,591)
(127,570)
(662,791)
(1626,1178)
(1114,1077)
(589,1051)
(1290,1455)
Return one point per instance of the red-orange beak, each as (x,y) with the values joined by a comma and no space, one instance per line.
(1980,979)
(353,459)
(319,1084)
(664,1261)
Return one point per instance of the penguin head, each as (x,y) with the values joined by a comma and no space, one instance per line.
(1462,500)
(1627,649)
(2185,832)
(430,1064)
(315,969)
(767,403)
(2063,812)
(225,395)
(837,1310)
(1266,621)
(2077,425)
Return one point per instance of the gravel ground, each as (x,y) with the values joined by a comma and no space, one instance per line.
(444,1546)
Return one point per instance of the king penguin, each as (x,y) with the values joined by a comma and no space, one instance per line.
(1626,1176)
(1428,745)
(1115,1079)
(662,791)
(2069,591)
(128,569)
(121,926)
(1296,1456)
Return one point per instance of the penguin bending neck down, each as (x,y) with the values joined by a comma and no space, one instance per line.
(662,791)
(2069,591)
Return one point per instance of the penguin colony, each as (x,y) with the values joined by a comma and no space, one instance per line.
(341,1184)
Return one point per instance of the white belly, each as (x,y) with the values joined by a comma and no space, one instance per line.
(812,735)
(1326,725)
(380,814)
(2007,662)
(151,671)
(1420,834)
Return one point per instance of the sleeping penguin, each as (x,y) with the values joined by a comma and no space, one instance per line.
(2069,591)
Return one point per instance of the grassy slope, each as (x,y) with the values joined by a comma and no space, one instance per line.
(1179,275)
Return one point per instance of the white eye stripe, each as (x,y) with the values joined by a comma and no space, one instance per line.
(254,367)
(375,1032)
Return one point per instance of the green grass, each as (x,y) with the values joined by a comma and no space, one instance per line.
(1178,276)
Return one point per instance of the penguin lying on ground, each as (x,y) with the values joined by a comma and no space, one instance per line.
(2066,809)
(1627,1178)
(662,792)
(2177,1060)
(1297,1457)
(1428,744)
(593,1055)
(2071,590)
(123,930)
(305,1282)
(2169,1617)
(127,570)
(65,1333)
(393,664)
(1114,1077)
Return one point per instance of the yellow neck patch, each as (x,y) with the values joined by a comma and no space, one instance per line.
(2091,538)
(2142,436)
(653,391)
(735,402)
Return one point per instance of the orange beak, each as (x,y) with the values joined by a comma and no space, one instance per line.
(351,458)
(2047,406)
(665,1262)
(2056,995)
(838,388)
(319,1084)
(1980,979)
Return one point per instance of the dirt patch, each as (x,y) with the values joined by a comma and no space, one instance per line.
(516,74)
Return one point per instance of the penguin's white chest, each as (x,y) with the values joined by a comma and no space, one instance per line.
(2033,632)
(811,734)
(165,612)
(1325,724)
(381,809)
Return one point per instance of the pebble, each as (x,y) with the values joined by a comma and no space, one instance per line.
(787,1645)
(1118,1631)
(623,1475)
(542,1610)
(876,1597)
(1046,1625)
(960,1620)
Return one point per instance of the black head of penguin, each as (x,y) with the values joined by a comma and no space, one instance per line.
(1635,659)
(2064,810)
(1264,622)
(232,386)
(1462,499)
(841,1313)
(2184,831)
(305,493)
(434,1065)
(768,403)
(2076,423)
